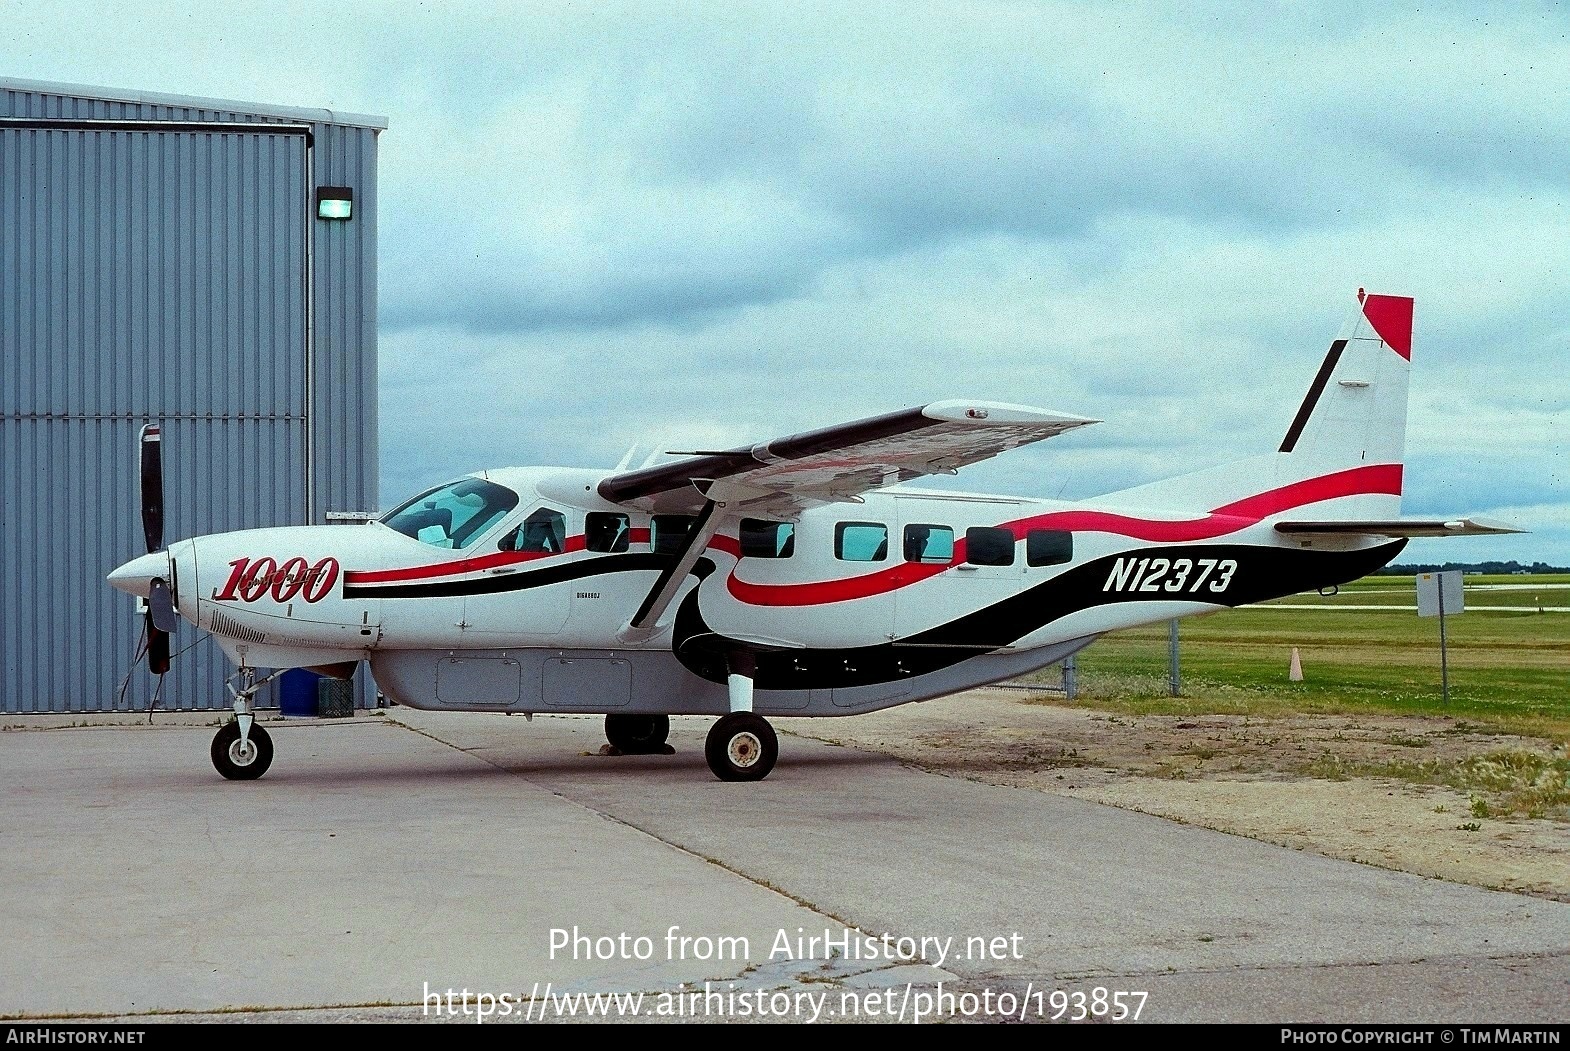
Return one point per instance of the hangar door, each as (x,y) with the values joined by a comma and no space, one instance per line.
(149,271)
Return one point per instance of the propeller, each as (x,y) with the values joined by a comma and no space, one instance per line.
(151,442)
(161,617)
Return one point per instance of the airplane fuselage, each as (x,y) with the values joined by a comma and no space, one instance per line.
(909,594)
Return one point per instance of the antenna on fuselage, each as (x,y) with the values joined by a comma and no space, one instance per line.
(626,458)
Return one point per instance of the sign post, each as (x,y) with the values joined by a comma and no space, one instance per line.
(1437,595)
(1174,673)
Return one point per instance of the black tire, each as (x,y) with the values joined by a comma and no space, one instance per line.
(637,734)
(227,759)
(741,747)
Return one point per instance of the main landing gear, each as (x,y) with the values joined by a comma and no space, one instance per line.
(741,746)
(637,734)
(243,750)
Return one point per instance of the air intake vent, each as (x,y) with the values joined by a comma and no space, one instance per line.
(223,624)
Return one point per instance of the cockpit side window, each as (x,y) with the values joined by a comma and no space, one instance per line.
(453,515)
(543,532)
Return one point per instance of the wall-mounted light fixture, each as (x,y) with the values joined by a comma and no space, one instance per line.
(334,202)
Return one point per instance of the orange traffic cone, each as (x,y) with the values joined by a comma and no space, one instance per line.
(1295,672)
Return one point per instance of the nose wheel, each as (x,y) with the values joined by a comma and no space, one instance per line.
(742,746)
(242,760)
(242,750)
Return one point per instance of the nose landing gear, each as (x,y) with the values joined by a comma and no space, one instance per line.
(241,760)
(242,750)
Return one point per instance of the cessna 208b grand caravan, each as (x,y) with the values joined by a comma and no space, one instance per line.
(800,577)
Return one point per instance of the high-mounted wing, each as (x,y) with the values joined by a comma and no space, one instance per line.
(1400,527)
(780,478)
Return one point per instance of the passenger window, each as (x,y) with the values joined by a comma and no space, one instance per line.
(1048,547)
(668,532)
(861,541)
(760,539)
(929,543)
(605,531)
(543,532)
(986,546)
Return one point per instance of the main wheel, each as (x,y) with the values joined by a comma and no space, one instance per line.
(741,747)
(637,734)
(237,764)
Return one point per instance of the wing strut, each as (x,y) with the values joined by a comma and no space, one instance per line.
(645,622)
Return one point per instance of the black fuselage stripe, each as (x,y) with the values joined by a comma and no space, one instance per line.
(503,582)
(1262,573)
(1315,389)
(693,533)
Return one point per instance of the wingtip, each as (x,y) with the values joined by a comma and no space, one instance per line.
(1001,414)
(1484,525)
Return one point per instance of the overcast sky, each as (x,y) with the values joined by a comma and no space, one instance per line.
(706,224)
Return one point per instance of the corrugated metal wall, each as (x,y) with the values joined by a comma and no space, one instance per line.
(160,272)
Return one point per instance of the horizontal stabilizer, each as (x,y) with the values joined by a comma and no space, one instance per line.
(1401,527)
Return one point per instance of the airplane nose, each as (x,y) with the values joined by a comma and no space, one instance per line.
(136,576)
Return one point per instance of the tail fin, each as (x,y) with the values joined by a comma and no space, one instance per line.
(1355,410)
(1351,425)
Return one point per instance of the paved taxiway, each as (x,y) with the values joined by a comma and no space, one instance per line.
(382,855)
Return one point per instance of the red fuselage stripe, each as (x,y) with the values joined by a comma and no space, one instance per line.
(474,565)
(1229,518)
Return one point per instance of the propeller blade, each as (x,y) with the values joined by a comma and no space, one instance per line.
(157,648)
(160,607)
(152,486)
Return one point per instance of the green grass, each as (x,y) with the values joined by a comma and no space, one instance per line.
(1506,782)
(1509,672)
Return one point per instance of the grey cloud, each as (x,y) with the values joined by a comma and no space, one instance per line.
(1481,482)
(847,166)
(610,222)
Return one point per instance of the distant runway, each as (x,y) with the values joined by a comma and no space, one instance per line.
(1412,608)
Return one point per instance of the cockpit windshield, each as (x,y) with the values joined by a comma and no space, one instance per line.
(452,515)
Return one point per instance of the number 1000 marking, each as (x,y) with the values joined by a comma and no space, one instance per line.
(253,579)
(1159,575)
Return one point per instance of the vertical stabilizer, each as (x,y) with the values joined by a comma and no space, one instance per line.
(1355,410)
(1351,423)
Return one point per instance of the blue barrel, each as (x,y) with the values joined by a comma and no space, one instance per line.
(297,693)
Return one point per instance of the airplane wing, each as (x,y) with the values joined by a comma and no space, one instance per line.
(781,478)
(1400,527)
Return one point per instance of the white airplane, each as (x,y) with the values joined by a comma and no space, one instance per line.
(800,576)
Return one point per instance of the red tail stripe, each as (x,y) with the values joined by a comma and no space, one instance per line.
(1229,518)
(1391,317)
